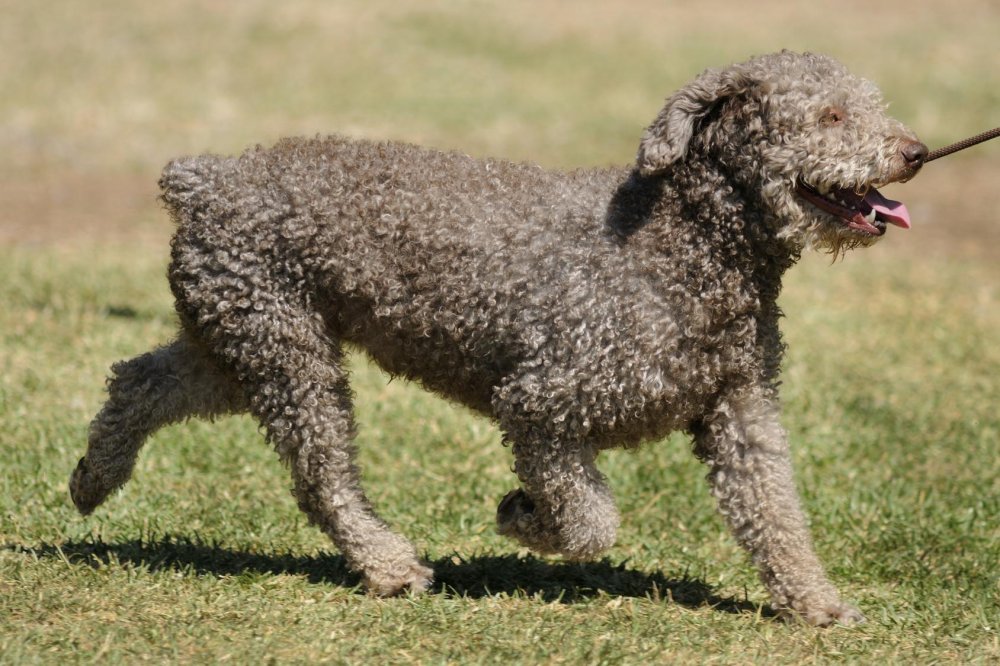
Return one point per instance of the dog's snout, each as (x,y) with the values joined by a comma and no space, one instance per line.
(914,152)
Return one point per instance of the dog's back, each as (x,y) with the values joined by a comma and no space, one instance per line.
(386,232)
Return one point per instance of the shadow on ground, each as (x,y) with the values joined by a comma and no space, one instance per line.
(475,577)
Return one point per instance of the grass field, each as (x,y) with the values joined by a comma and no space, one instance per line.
(892,382)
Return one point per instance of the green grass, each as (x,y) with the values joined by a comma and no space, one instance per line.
(892,380)
(890,400)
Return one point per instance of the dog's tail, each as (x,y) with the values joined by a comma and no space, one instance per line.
(189,184)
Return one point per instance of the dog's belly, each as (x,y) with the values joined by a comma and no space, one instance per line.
(640,387)
(651,401)
(465,371)
(450,375)
(624,412)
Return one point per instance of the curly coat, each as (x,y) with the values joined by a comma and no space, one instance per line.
(580,311)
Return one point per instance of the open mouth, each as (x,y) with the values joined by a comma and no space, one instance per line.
(867,213)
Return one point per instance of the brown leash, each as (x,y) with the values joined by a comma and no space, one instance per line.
(962,145)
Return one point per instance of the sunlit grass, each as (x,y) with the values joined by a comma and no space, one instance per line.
(890,401)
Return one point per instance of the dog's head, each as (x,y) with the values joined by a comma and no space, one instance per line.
(801,134)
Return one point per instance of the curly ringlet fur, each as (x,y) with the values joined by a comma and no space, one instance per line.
(580,311)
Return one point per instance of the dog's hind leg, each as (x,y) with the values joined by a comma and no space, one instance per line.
(158,388)
(297,388)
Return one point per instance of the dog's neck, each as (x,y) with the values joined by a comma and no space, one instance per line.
(695,224)
(683,213)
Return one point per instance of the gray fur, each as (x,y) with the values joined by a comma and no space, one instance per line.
(580,311)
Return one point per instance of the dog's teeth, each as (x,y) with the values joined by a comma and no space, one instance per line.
(870,217)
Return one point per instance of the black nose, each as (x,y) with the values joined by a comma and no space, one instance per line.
(914,153)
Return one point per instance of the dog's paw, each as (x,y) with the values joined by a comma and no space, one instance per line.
(516,519)
(582,537)
(515,509)
(86,489)
(826,614)
(413,577)
(842,614)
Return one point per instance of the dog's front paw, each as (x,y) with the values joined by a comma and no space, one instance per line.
(515,515)
(517,520)
(579,535)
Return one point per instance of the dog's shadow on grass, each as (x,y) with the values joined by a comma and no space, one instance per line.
(475,577)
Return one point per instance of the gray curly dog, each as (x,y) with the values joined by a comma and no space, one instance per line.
(581,311)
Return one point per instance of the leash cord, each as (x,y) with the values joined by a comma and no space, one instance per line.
(962,145)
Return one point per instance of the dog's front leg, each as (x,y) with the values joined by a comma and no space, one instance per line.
(565,506)
(746,448)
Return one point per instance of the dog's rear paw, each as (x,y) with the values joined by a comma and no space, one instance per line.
(843,614)
(413,577)
(86,489)
(826,615)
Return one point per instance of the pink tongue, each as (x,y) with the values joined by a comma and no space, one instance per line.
(891,211)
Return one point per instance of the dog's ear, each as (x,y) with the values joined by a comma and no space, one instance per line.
(666,140)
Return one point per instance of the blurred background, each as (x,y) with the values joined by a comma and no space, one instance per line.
(97,96)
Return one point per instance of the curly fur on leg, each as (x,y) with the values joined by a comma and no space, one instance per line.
(747,451)
(299,392)
(164,386)
(565,507)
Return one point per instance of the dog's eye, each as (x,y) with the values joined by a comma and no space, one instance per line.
(832,117)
